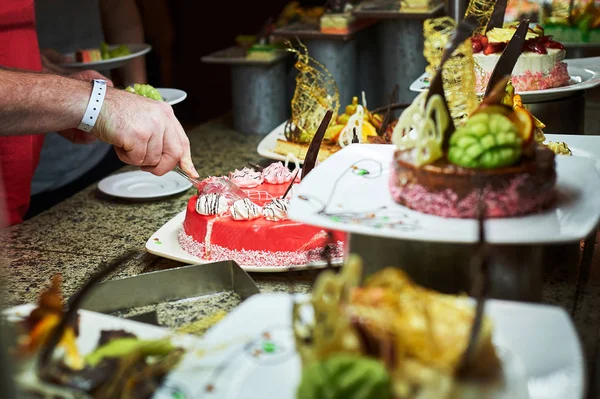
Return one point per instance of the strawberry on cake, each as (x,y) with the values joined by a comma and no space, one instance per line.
(539,67)
(243,217)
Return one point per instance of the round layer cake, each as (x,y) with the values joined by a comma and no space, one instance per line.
(532,72)
(447,190)
(251,227)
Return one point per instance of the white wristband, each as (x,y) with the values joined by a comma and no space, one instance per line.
(94,106)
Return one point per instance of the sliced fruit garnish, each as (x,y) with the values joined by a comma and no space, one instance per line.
(368,130)
(525,124)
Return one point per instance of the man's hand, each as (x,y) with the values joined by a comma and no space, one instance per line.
(144,132)
(51,60)
(75,135)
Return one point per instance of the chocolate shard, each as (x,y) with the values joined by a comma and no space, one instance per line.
(388,112)
(463,31)
(315,145)
(497,18)
(287,191)
(355,139)
(509,57)
(480,264)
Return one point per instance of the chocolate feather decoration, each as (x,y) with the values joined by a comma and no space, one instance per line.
(497,18)
(388,112)
(463,31)
(315,145)
(479,264)
(510,55)
(287,191)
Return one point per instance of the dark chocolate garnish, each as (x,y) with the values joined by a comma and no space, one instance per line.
(509,57)
(480,264)
(355,139)
(256,166)
(388,111)
(497,18)
(463,31)
(315,145)
(287,191)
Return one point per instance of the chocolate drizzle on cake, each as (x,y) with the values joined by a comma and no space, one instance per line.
(276,209)
(210,204)
(245,209)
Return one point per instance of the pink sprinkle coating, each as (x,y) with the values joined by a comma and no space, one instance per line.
(557,77)
(507,202)
(256,258)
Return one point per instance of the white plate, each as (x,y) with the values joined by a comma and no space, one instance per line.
(91,324)
(268,143)
(335,182)
(137,50)
(165,243)
(546,355)
(228,363)
(580,145)
(172,96)
(584,72)
(143,185)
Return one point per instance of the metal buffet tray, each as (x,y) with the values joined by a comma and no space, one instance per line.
(164,286)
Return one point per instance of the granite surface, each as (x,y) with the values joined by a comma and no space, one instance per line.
(80,235)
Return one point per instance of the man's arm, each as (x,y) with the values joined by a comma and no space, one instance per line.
(122,24)
(144,132)
(32,103)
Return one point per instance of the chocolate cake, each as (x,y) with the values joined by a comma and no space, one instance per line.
(447,190)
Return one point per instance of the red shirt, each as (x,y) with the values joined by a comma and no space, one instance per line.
(19,155)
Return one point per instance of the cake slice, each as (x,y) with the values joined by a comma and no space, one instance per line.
(89,55)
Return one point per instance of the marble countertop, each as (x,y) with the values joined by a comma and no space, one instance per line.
(80,235)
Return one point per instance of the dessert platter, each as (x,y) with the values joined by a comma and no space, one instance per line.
(106,57)
(316,92)
(584,74)
(244,217)
(540,72)
(387,338)
(576,23)
(451,152)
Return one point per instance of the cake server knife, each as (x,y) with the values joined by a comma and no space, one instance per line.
(510,55)
(197,183)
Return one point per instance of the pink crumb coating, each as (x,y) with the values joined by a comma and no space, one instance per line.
(500,203)
(257,258)
(557,77)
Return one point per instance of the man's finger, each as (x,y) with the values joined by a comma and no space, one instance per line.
(186,162)
(154,149)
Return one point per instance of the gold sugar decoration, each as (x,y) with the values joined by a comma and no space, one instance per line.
(437,33)
(482,11)
(560,10)
(458,76)
(316,93)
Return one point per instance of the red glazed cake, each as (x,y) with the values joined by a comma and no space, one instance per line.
(247,222)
